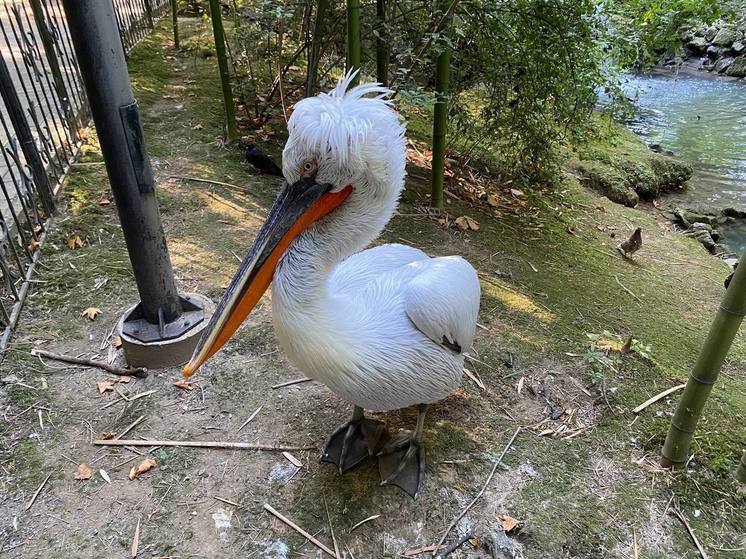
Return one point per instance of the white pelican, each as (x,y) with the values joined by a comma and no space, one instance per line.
(384,328)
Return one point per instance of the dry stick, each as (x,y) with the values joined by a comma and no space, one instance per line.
(657,397)
(481,492)
(226,501)
(132,425)
(291,382)
(455,545)
(33,499)
(627,290)
(132,399)
(680,516)
(300,530)
(356,526)
(200,444)
(252,416)
(121,371)
(208,181)
(331,529)
(474,378)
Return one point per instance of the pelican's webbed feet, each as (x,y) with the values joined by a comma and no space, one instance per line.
(402,461)
(353,441)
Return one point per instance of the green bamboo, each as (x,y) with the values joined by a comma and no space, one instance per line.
(382,47)
(175,21)
(319,26)
(741,471)
(440,121)
(353,36)
(705,371)
(219,33)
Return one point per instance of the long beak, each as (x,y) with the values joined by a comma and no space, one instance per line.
(297,207)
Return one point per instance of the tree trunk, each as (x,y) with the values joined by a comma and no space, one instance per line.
(219,33)
(353,37)
(319,28)
(382,47)
(741,471)
(440,121)
(705,372)
(175,21)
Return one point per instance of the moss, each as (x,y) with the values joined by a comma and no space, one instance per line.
(671,173)
(609,181)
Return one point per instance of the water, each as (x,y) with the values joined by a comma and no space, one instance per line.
(702,119)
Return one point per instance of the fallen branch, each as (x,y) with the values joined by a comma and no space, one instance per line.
(657,397)
(356,526)
(455,545)
(300,530)
(208,181)
(129,428)
(474,378)
(128,399)
(252,416)
(36,494)
(200,444)
(479,495)
(113,369)
(291,382)
(681,517)
(627,290)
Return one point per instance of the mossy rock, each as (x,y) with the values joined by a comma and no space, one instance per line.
(639,176)
(609,181)
(671,173)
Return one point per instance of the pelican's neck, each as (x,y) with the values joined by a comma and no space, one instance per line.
(301,276)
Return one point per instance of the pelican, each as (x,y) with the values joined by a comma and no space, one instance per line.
(384,328)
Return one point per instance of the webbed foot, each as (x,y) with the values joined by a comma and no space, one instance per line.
(353,441)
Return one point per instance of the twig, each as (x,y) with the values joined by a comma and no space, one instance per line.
(331,529)
(616,277)
(481,492)
(132,399)
(657,397)
(200,444)
(455,545)
(226,501)
(291,382)
(33,499)
(683,520)
(475,378)
(208,181)
(356,526)
(252,416)
(300,530)
(137,372)
(129,428)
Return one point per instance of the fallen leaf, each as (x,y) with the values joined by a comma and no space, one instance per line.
(185,384)
(117,342)
(135,541)
(601,208)
(144,466)
(34,245)
(198,127)
(38,228)
(83,471)
(465,222)
(509,523)
(74,242)
(124,379)
(91,313)
(493,200)
(520,384)
(106,435)
(517,193)
(571,229)
(104,475)
(103,202)
(104,386)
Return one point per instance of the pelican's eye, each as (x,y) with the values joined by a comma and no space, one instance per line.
(309,169)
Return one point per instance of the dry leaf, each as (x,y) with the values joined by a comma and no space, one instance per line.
(198,127)
(571,229)
(520,384)
(106,435)
(74,242)
(144,466)
(134,550)
(493,200)
(104,475)
(509,523)
(103,202)
(124,379)
(185,384)
(117,342)
(104,386)
(601,208)
(34,245)
(465,222)
(91,312)
(517,193)
(83,471)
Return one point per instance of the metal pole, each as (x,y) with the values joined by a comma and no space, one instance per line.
(25,138)
(175,20)
(93,28)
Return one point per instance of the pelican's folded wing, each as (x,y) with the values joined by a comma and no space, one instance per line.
(442,300)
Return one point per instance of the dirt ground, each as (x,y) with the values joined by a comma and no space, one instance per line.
(581,475)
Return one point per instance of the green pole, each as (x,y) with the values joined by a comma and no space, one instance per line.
(741,471)
(705,372)
(353,36)
(382,48)
(175,21)
(219,33)
(440,122)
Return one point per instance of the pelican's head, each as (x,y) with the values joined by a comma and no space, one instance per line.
(344,158)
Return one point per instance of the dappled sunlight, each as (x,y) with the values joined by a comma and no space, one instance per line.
(516,301)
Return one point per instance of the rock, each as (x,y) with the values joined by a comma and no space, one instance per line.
(693,217)
(671,173)
(737,68)
(697,44)
(722,64)
(733,212)
(727,35)
(639,176)
(715,234)
(738,47)
(710,33)
(699,232)
(608,181)
(712,51)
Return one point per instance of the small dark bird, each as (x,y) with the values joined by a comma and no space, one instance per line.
(261,161)
(631,245)
(727,281)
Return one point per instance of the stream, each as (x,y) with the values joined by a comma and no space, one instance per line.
(702,120)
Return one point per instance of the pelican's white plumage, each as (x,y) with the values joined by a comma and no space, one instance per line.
(378,327)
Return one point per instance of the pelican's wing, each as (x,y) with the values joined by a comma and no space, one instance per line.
(442,300)
(360,270)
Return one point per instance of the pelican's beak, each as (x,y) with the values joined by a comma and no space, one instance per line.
(297,207)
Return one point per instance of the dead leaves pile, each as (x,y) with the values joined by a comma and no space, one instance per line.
(108,385)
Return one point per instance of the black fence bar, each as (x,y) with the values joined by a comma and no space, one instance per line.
(42,116)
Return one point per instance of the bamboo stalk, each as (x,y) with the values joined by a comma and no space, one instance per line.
(440,123)
(319,26)
(175,22)
(199,444)
(219,33)
(705,372)
(382,47)
(741,471)
(353,37)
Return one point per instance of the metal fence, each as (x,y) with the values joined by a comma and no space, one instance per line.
(42,117)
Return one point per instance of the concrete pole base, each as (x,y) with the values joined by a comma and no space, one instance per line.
(159,354)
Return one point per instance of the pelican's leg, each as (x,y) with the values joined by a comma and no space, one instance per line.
(402,461)
(354,441)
